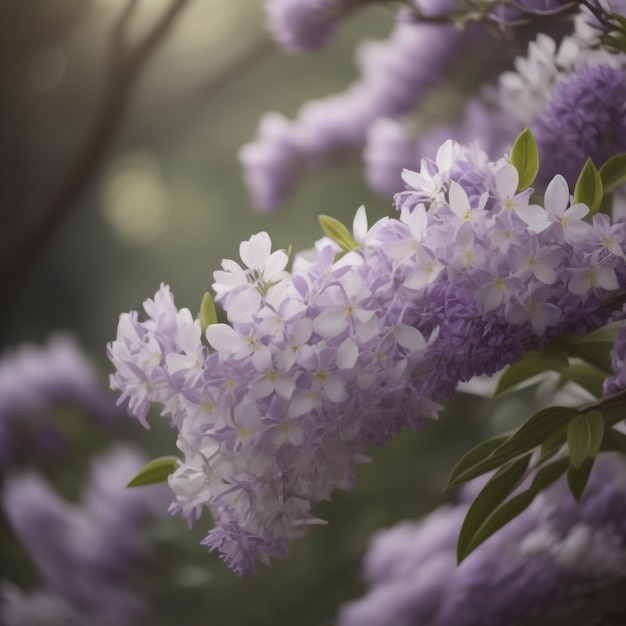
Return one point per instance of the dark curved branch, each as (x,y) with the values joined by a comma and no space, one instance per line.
(125,64)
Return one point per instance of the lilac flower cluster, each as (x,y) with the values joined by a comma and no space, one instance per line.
(274,410)
(396,74)
(545,563)
(34,383)
(84,553)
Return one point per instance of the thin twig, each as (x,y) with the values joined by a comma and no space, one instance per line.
(126,64)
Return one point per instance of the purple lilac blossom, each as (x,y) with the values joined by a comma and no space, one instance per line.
(586,118)
(85,552)
(552,562)
(396,74)
(35,382)
(274,410)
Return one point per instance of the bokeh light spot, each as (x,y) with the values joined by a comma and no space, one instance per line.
(134,199)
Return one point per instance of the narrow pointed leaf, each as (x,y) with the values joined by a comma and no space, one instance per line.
(537,429)
(596,428)
(594,348)
(491,496)
(578,440)
(336,231)
(475,455)
(525,159)
(527,368)
(533,433)
(589,188)
(577,478)
(156,471)
(613,172)
(613,441)
(554,442)
(208,314)
(606,333)
(587,376)
(516,505)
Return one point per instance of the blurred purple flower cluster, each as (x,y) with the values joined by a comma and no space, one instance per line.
(575,108)
(542,566)
(84,553)
(36,384)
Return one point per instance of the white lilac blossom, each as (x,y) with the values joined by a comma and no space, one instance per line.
(36,382)
(84,553)
(395,75)
(543,564)
(274,411)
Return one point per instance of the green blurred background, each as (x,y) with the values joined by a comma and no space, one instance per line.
(166,204)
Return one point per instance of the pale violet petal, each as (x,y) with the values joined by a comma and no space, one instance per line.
(347,354)
(256,250)
(331,322)
(535,216)
(222,337)
(556,197)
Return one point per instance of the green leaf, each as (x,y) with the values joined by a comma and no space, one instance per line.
(513,507)
(475,455)
(594,348)
(585,375)
(529,367)
(589,188)
(577,478)
(533,433)
(578,440)
(156,471)
(336,231)
(613,441)
(595,419)
(525,159)
(491,496)
(208,314)
(606,333)
(537,429)
(613,172)
(554,442)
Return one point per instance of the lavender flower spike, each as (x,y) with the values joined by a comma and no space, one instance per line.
(323,361)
